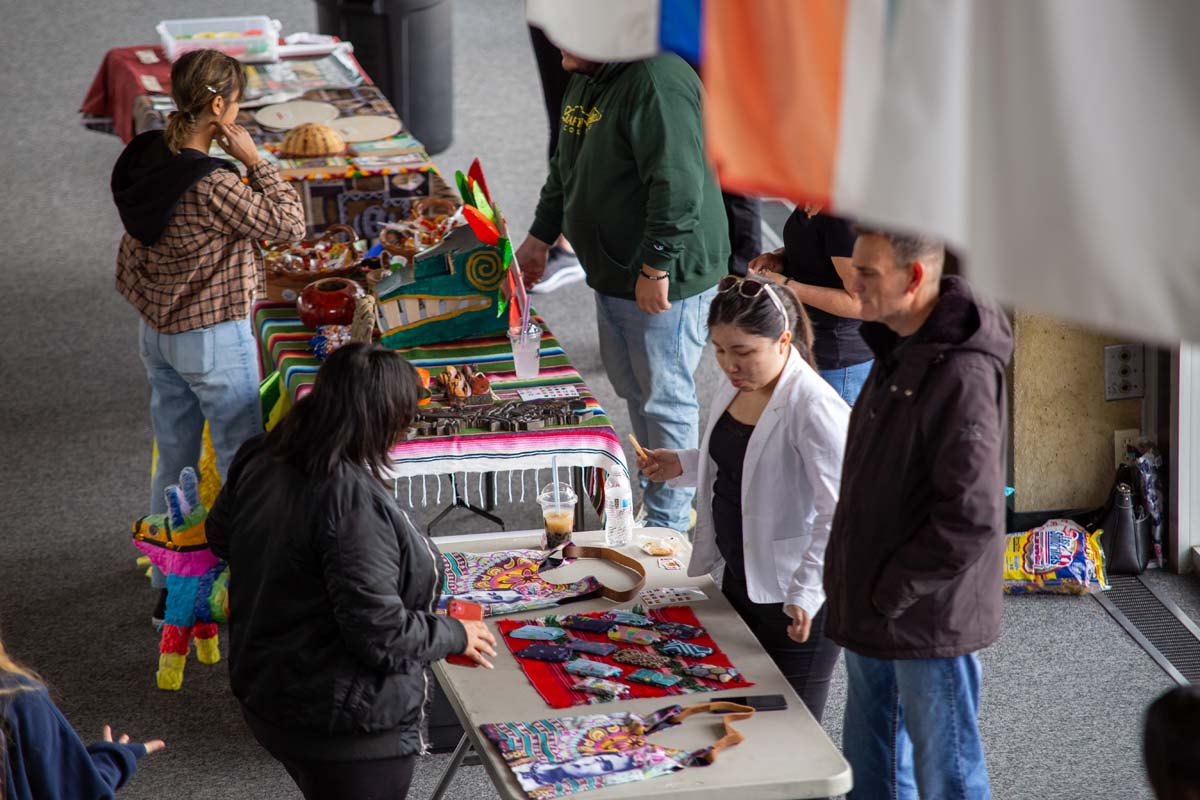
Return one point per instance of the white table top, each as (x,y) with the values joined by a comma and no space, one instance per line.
(785,755)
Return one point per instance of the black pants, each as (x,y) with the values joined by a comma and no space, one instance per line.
(381,779)
(808,667)
(554,80)
(745,230)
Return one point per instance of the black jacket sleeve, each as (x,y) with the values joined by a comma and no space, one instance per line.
(218,523)
(362,560)
(964,436)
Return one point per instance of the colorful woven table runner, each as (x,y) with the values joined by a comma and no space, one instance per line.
(553,682)
(592,444)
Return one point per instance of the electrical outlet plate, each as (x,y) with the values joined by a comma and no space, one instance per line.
(1124,372)
(1120,439)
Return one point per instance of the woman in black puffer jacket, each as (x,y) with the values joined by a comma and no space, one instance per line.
(332,589)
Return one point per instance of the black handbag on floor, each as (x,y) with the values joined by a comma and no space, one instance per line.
(1126,537)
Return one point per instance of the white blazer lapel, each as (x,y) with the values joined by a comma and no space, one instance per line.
(769,420)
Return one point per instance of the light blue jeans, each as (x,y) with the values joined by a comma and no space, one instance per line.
(209,373)
(848,380)
(651,360)
(912,726)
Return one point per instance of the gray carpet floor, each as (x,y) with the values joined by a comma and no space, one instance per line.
(1064,690)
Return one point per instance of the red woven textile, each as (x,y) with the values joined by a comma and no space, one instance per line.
(119,82)
(553,682)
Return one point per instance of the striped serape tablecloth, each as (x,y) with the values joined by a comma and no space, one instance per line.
(592,445)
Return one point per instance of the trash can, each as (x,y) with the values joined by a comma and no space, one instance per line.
(405,46)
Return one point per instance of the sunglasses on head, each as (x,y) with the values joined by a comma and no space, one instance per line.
(751,289)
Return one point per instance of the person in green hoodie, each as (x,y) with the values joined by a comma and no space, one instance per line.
(630,188)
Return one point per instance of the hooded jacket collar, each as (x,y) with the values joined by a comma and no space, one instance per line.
(960,321)
(148,181)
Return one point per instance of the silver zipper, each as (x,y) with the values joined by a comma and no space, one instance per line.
(425,670)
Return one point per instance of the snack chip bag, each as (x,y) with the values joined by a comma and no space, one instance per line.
(1059,557)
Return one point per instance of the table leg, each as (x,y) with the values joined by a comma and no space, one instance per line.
(577,480)
(489,491)
(460,752)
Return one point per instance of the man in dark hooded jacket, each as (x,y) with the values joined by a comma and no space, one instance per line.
(913,569)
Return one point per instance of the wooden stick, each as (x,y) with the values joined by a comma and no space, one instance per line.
(641,451)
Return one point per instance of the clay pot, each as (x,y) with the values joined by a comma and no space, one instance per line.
(329,301)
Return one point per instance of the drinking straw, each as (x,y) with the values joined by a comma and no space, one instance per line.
(554,479)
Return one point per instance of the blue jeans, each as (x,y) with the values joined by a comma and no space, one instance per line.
(848,380)
(205,374)
(651,360)
(912,726)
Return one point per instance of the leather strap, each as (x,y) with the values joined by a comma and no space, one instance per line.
(732,736)
(616,557)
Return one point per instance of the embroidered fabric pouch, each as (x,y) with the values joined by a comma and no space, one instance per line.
(622,617)
(684,649)
(626,635)
(592,648)
(545,652)
(641,658)
(591,669)
(678,630)
(713,672)
(538,633)
(653,678)
(587,624)
(601,688)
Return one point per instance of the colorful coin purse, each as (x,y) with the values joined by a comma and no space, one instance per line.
(641,658)
(601,687)
(713,672)
(685,649)
(545,652)
(587,624)
(678,630)
(652,678)
(629,618)
(627,635)
(592,648)
(538,633)
(591,669)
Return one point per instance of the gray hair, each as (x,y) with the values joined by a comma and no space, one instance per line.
(909,247)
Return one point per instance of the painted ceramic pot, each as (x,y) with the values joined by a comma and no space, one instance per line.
(329,301)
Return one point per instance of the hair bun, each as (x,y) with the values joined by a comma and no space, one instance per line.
(312,140)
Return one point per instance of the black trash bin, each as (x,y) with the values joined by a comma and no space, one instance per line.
(405,46)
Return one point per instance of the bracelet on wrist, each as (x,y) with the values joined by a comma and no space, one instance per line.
(649,277)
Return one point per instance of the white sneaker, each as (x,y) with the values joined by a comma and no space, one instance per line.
(562,268)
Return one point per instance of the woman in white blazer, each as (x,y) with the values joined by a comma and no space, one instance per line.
(767,476)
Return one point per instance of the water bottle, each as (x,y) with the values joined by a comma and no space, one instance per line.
(618,510)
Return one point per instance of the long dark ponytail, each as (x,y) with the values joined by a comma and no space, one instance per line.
(759,315)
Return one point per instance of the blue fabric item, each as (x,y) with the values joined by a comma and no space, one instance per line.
(651,360)
(181,604)
(375,250)
(45,758)
(848,381)
(679,29)
(912,726)
(205,374)
(201,608)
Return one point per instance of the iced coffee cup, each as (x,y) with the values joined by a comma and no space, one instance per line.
(558,515)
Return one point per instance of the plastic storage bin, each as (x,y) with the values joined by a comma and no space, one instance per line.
(244,38)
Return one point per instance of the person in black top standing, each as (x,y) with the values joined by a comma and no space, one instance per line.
(814,264)
(767,477)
